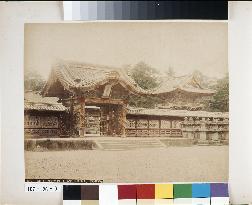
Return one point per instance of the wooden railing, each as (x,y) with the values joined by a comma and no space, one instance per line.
(153,132)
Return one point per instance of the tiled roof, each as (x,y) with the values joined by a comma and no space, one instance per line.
(43,107)
(34,101)
(87,76)
(177,113)
(188,83)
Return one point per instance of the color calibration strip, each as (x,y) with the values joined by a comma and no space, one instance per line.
(147,194)
(148,10)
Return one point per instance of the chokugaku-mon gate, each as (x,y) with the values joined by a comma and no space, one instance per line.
(92,100)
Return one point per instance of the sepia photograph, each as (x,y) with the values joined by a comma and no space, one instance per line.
(126,102)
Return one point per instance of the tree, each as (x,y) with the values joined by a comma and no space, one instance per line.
(170,72)
(33,81)
(220,100)
(144,76)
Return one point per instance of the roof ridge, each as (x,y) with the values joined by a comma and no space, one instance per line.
(86,76)
(91,65)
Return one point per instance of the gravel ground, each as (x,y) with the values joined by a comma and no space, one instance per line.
(173,164)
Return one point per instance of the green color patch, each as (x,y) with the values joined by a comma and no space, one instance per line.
(182,190)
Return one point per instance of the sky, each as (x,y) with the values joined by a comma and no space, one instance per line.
(183,46)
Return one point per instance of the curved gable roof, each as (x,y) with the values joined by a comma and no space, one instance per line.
(186,83)
(34,101)
(85,76)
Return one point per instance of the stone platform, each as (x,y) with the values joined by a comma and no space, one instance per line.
(104,143)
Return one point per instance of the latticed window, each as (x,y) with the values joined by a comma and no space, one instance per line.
(32,121)
(130,123)
(176,124)
(153,124)
(142,124)
(165,124)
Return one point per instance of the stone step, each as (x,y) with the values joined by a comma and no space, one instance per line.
(128,144)
(203,143)
(128,141)
(132,145)
(135,144)
(103,143)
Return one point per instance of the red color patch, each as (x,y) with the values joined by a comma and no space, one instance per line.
(146,191)
(126,191)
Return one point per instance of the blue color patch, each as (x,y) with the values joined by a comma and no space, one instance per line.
(200,190)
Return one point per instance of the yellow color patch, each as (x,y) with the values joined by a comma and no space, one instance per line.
(163,191)
(164,202)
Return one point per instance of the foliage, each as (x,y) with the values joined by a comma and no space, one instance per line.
(220,100)
(33,81)
(62,144)
(144,76)
(170,72)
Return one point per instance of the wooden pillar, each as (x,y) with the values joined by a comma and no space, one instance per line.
(159,127)
(62,124)
(82,117)
(111,120)
(148,125)
(122,120)
(72,120)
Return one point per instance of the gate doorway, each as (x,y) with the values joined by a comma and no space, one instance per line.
(92,121)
